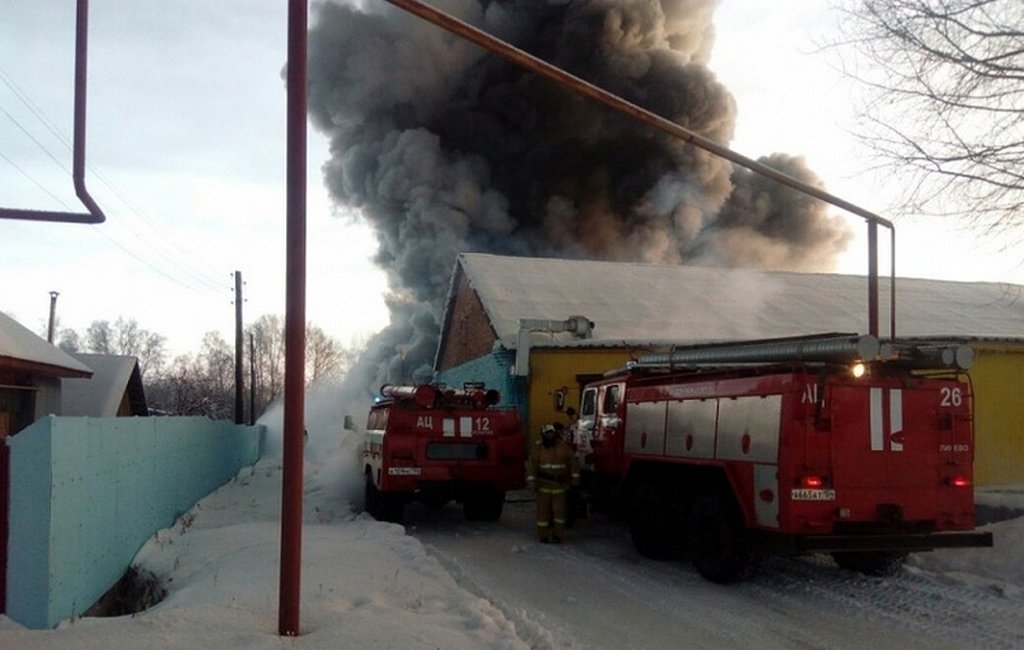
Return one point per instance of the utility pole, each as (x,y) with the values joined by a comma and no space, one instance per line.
(53,316)
(252,379)
(239,381)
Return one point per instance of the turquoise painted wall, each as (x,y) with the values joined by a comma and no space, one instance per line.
(86,494)
(492,369)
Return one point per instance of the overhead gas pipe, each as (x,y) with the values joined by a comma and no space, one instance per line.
(95,214)
(541,67)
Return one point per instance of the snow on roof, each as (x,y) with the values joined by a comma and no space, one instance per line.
(636,303)
(20,344)
(100,395)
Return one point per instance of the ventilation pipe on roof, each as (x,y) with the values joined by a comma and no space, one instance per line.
(580,327)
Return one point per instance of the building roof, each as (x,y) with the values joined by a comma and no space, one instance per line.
(644,303)
(101,395)
(20,347)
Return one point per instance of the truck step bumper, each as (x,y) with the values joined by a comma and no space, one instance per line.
(909,542)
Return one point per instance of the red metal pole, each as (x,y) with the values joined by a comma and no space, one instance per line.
(295,324)
(81,74)
(873,279)
(95,215)
(892,284)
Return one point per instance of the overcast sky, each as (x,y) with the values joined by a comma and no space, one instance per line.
(186,151)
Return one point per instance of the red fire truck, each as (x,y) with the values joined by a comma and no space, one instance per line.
(435,444)
(727,453)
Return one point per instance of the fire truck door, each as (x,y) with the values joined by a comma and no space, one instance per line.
(607,440)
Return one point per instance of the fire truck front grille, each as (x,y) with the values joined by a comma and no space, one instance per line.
(456,451)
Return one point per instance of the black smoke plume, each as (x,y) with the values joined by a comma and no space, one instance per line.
(446,148)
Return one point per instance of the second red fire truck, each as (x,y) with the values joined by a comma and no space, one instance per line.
(727,453)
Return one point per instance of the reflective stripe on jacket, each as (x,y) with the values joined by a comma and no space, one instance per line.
(550,468)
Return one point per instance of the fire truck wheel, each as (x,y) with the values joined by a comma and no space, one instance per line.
(872,563)
(648,523)
(718,543)
(371,497)
(380,505)
(483,505)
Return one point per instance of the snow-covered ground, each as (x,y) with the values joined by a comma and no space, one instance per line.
(441,582)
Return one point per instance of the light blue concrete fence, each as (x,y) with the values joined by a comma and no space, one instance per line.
(86,494)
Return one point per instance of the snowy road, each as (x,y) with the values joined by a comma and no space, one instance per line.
(441,582)
(596,592)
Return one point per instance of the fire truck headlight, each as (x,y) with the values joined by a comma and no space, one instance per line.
(858,370)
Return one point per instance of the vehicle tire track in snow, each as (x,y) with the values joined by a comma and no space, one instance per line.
(528,630)
(927,604)
(596,592)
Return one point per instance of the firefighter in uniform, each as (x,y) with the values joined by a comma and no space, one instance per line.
(550,471)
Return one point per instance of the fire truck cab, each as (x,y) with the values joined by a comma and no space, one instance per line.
(434,444)
(725,462)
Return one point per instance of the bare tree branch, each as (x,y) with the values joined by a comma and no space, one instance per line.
(945,102)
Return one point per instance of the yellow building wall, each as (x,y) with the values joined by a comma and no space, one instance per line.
(998,380)
(997,377)
(554,369)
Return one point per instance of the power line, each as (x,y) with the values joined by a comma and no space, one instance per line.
(142,260)
(99,230)
(27,101)
(35,182)
(31,137)
(200,275)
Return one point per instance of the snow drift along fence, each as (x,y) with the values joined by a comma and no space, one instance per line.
(86,494)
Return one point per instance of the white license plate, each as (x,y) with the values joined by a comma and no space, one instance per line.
(812,495)
(405,471)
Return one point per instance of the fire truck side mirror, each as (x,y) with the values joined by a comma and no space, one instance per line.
(349,425)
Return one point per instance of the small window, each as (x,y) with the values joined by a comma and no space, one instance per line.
(378,420)
(611,399)
(589,402)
